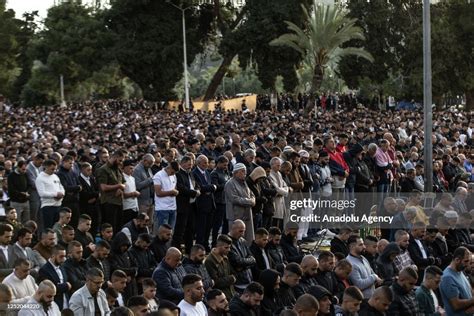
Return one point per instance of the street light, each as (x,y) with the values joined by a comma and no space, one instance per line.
(427,98)
(185,59)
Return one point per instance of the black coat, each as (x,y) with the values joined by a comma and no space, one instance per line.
(219,178)
(239,308)
(185,193)
(286,296)
(205,202)
(242,260)
(417,257)
(88,192)
(76,272)
(47,272)
(292,253)
(71,185)
(144,260)
(159,248)
(257,252)
(385,267)
(277,255)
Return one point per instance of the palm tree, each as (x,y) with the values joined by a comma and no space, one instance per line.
(328,28)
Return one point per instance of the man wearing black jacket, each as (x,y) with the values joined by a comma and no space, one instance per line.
(378,303)
(219,177)
(89,195)
(288,243)
(274,249)
(418,250)
(339,242)
(71,185)
(18,187)
(247,304)
(240,257)
(309,266)
(325,276)
(263,260)
(185,205)
(75,266)
(141,257)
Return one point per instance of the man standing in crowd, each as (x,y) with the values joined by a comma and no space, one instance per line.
(51,192)
(165,195)
(240,200)
(144,182)
(72,187)
(112,185)
(33,171)
(89,196)
(18,188)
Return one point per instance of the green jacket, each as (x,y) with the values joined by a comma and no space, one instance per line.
(425,302)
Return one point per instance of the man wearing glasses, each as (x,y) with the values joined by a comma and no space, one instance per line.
(90,299)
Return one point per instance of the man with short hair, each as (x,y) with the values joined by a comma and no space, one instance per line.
(90,299)
(274,248)
(219,268)
(89,195)
(418,250)
(130,193)
(219,177)
(291,277)
(160,243)
(51,192)
(325,300)
(325,275)
(263,260)
(64,219)
(248,303)
(455,288)
(165,195)
(309,266)
(240,257)
(67,235)
(22,250)
(54,271)
(404,302)
(351,300)
(112,185)
(32,172)
(240,200)
(426,297)
(23,285)
(44,299)
(144,183)
(72,187)
(136,226)
(142,257)
(18,187)
(6,250)
(118,281)
(169,275)
(289,243)
(306,304)
(217,303)
(138,305)
(378,303)
(403,260)
(339,242)
(98,259)
(362,274)
(191,304)
(83,236)
(195,265)
(75,265)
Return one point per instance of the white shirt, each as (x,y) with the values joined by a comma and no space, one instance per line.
(189,310)
(422,249)
(53,310)
(22,289)
(5,252)
(167,183)
(48,187)
(61,280)
(130,203)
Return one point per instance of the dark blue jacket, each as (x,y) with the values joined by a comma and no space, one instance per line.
(47,272)
(168,282)
(71,184)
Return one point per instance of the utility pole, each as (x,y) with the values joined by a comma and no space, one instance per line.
(427,98)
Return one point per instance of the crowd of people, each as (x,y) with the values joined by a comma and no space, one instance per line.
(117,207)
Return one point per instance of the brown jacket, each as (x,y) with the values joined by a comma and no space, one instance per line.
(221,272)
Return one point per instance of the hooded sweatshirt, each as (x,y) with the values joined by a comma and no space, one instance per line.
(270,304)
(385,266)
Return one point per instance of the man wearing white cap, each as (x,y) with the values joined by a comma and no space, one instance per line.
(240,200)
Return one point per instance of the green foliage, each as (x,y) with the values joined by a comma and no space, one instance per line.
(328,28)
(148,41)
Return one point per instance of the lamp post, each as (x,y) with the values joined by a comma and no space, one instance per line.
(427,98)
(185,59)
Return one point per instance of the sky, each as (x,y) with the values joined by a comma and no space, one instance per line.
(21,6)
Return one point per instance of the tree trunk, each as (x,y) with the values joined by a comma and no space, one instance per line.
(318,75)
(469,100)
(217,78)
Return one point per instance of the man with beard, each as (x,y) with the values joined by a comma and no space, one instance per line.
(219,268)
(195,265)
(98,259)
(217,303)
(192,304)
(219,177)
(54,271)
(247,304)
(362,274)
(90,299)
(72,187)
(44,299)
(425,295)
(309,265)
(378,304)
(22,284)
(455,289)
(142,257)
(160,243)
(290,279)
(325,276)
(404,300)
(76,266)
(112,184)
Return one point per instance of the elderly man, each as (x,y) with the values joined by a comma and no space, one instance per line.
(280,217)
(459,203)
(88,298)
(144,184)
(240,200)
